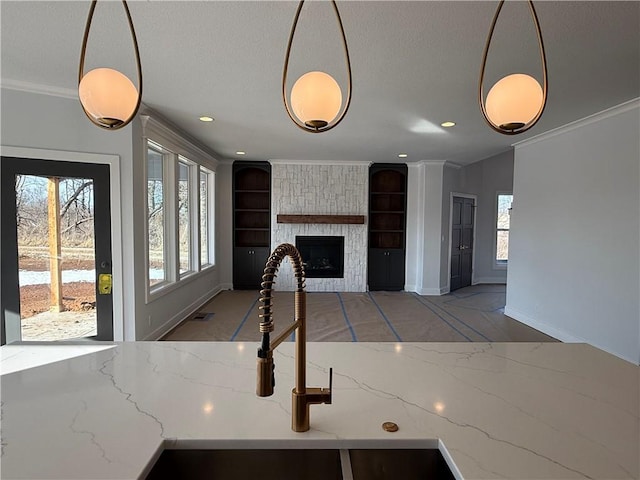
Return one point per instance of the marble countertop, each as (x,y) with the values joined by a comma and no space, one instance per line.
(502,410)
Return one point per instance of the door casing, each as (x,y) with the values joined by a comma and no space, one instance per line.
(123,323)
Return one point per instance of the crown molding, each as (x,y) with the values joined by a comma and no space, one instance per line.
(340,163)
(156,129)
(596,117)
(40,89)
(433,163)
(453,165)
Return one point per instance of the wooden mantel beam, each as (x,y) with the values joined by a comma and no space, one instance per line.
(325,219)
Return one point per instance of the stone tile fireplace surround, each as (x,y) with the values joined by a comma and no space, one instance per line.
(299,188)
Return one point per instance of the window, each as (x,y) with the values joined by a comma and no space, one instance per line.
(502,227)
(179,217)
(206,209)
(156,215)
(184,216)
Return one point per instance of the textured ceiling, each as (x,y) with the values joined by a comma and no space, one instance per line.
(415,65)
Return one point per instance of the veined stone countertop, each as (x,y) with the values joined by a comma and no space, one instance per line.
(502,410)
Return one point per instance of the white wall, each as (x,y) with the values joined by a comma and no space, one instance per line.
(224,224)
(427,226)
(415,227)
(41,121)
(485,179)
(574,259)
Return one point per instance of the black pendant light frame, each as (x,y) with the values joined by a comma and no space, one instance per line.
(138,66)
(287,107)
(543,59)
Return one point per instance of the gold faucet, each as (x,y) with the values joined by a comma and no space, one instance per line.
(301,396)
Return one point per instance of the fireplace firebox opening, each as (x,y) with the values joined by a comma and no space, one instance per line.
(322,256)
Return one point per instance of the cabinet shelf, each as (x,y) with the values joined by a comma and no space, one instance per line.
(387,225)
(251,222)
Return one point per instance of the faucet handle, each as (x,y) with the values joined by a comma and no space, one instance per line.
(330,392)
(266,376)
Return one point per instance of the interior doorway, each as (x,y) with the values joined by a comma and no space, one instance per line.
(56,251)
(462,241)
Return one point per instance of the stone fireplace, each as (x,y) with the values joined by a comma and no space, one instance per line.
(313,189)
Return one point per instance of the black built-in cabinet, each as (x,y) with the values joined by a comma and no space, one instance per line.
(387,226)
(251,222)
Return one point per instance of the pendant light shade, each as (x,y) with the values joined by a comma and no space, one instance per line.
(108,96)
(516,102)
(109,99)
(316,99)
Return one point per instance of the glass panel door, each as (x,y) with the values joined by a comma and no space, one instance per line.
(56,258)
(56,251)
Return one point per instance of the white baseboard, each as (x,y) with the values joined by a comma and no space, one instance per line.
(496,280)
(432,291)
(561,335)
(543,327)
(167,326)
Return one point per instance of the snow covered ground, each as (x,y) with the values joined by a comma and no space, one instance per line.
(26,277)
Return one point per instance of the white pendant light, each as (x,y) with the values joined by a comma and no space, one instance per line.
(516,102)
(316,98)
(108,97)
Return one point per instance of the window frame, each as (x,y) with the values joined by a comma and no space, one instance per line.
(500,264)
(210,217)
(166,173)
(192,197)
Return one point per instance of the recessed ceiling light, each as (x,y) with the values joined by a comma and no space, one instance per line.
(240,152)
(206,119)
(448,124)
(402,155)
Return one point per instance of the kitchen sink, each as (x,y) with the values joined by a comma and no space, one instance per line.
(351,463)
(280,464)
(399,463)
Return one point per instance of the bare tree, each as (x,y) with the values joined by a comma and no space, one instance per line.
(76,214)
